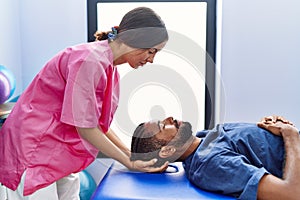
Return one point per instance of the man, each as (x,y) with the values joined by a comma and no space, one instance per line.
(247,161)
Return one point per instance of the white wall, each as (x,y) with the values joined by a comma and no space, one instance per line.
(47,27)
(10,52)
(33,31)
(260,59)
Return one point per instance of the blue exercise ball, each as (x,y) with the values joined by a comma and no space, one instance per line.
(87,185)
(7,84)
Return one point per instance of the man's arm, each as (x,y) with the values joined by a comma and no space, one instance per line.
(288,188)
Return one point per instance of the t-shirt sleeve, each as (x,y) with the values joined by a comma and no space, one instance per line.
(229,173)
(82,102)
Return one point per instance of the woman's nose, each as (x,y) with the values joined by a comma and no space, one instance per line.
(150,59)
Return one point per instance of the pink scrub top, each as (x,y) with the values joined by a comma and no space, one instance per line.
(79,87)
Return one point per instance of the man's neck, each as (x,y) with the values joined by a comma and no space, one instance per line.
(194,145)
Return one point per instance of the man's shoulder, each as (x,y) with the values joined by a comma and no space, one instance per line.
(228,126)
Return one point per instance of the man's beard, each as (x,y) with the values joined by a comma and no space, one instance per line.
(182,137)
(184,134)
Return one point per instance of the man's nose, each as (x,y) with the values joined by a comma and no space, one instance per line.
(170,120)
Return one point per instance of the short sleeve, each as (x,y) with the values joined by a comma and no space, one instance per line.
(83,97)
(229,173)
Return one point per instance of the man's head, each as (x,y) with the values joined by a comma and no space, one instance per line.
(165,140)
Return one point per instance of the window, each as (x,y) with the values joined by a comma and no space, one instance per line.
(181,81)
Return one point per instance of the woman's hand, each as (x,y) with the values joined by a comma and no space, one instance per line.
(147,166)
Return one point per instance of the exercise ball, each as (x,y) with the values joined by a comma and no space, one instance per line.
(87,185)
(7,84)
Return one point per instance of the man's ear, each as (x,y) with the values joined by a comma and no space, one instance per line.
(167,151)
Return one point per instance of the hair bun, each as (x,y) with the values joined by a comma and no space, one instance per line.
(100,35)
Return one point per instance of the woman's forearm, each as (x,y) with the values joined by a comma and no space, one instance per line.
(117,141)
(95,137)
(98,139)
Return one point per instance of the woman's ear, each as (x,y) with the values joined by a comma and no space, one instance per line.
(167,151)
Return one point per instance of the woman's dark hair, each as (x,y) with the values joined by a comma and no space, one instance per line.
(139,28)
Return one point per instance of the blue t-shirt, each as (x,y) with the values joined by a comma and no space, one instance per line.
(232,158)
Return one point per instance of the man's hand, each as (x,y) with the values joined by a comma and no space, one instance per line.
(275,118)
(276,124)
(147,166)
(287,186)
(273,127)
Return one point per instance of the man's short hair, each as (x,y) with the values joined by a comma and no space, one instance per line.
(145,146)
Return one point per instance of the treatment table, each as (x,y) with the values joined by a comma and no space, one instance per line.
(121,184)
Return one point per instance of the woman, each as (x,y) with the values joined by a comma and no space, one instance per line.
(56,127)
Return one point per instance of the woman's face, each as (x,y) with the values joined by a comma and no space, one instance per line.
(139,57)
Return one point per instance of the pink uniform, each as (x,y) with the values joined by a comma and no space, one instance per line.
(78,87)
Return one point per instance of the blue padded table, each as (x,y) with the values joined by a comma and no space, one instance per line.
(120,184)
